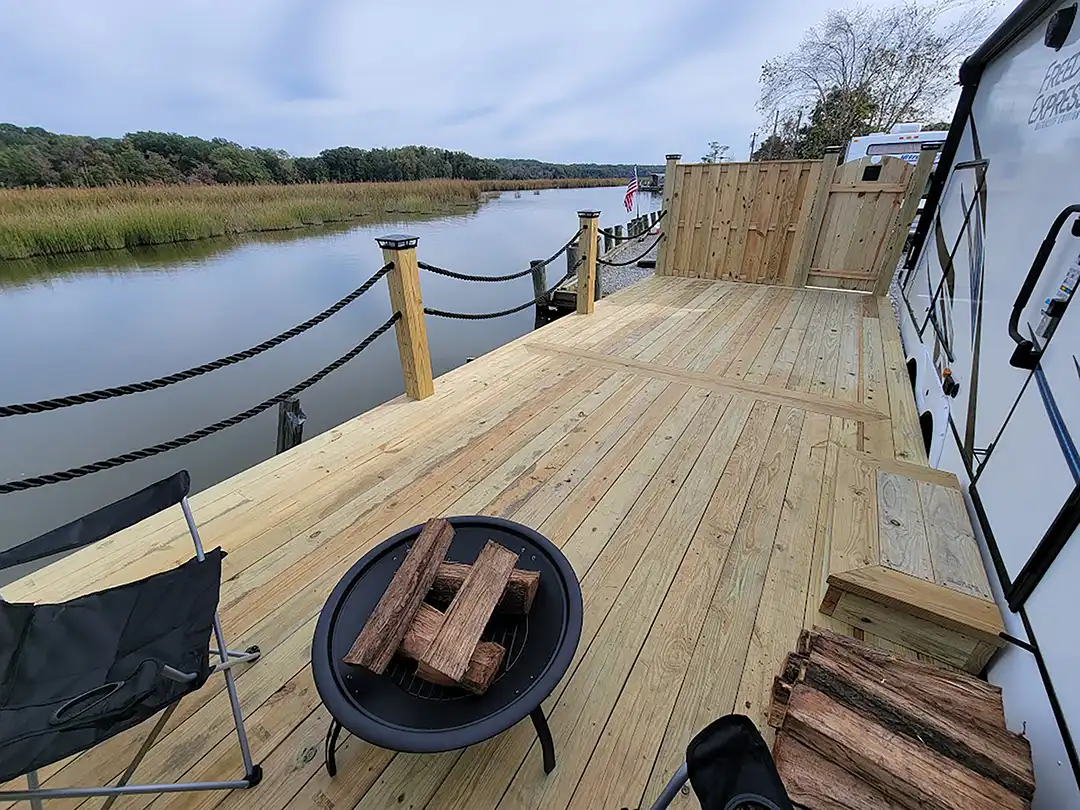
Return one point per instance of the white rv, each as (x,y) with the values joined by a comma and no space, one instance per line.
(994,358)
(902,141)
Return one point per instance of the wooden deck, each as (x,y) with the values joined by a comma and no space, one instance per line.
(680,445)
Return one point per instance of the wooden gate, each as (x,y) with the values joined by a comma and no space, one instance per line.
(864,225)
(739,221)
(791,222)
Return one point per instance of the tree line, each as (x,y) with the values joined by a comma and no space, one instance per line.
(35,157)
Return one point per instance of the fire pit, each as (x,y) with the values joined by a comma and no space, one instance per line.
(398,710)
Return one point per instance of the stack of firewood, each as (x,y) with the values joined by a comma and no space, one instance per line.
(859,728)
(446,646)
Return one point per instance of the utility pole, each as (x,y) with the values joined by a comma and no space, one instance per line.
(775,125)
(753,140)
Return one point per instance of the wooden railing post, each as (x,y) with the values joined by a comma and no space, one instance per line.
(586,271)
(668,227)
(904,217)
(817,216)
(404,283)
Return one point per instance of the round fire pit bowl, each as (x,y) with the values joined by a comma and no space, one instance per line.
(399,711)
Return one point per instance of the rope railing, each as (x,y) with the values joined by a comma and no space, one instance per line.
(618,238)
(442,271)
(196,371)
(194,436)
(483,316)
(635,258)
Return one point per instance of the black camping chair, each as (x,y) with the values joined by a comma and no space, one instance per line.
(77,673)
(730,768)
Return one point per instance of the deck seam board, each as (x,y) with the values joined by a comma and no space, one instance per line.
(783,397)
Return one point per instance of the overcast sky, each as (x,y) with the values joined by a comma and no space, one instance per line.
(560,80)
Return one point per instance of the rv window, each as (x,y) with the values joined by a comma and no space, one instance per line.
(892,148)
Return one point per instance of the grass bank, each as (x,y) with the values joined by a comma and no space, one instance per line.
(49,222)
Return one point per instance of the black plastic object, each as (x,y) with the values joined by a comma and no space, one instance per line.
(1026,355)
(77,673)
(1058,27)
(398,711)
(106,521)
(730,767)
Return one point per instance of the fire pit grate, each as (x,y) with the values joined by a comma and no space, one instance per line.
(510,631)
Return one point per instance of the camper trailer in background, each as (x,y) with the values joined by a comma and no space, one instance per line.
(994,358)
(903,141)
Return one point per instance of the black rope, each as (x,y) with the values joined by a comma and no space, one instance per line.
(636,258)
(618,238)
(147,452)
(161,382)
(483,316)
(442,271)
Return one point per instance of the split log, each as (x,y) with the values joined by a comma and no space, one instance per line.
(813,782)
(482,668)
(911,774)
(471,608)
(389,622)
(975,741)
(517,599)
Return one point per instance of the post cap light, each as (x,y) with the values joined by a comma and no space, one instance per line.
(397,241)
(672,157)
(588,214)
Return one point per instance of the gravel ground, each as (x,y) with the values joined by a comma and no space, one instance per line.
(613,279)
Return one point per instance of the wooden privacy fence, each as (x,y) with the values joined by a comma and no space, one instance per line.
(792,222)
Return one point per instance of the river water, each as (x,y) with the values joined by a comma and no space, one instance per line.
(79,323)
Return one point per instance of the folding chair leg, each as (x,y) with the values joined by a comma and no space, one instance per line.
(671,789)
(125,777)
(33,784)
(252,772)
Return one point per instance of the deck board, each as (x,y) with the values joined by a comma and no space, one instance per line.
(683,445)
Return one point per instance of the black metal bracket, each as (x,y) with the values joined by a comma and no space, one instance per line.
(331,743)
(543,733)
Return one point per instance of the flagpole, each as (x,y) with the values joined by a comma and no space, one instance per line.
(636,195)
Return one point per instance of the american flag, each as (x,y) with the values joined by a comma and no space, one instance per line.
(631,187)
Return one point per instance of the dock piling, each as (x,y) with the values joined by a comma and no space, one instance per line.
(586,271)
(291,418)
(404,283)
(539,280)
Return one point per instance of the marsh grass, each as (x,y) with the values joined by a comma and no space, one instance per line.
(49,222)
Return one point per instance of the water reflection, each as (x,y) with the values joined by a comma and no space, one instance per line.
(83,322)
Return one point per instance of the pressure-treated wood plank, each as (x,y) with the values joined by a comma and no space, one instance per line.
(390,620)
(907,435)
(901,527)
(766,393)
(854,541)
(750,512)
(914,776)
(816,783)
(620,764)
(452,649)
(783,599)
(965,614)
(517,598)
(634,568)
(953,548)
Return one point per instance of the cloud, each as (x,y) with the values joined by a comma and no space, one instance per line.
(564,80)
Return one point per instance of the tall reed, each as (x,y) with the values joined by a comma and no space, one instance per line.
(45,222)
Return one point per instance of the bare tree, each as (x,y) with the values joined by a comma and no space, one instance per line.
(717,153)
(874,67)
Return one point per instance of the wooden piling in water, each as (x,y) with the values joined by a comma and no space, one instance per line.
(291,418)
(539,280)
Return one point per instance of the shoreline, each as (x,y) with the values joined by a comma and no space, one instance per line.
(42,223)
